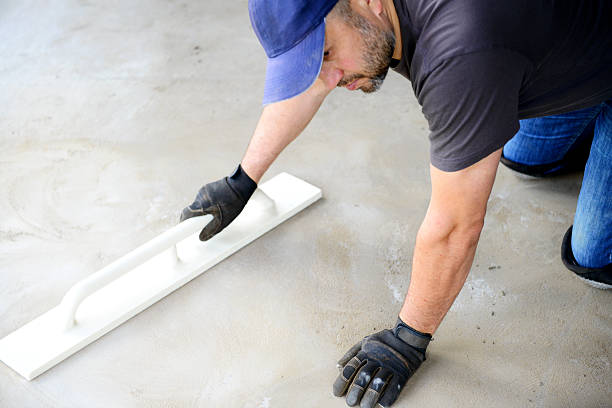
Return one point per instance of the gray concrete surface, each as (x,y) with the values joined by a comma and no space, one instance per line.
(114,113)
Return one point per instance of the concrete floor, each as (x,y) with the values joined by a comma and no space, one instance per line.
(113,115)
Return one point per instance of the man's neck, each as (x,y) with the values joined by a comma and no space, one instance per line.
(389,8)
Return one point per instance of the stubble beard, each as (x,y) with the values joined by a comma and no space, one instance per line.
(378,49)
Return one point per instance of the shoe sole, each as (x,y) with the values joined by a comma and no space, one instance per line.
(595,284)
(524,176)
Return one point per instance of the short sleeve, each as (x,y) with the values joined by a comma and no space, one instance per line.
(471,104)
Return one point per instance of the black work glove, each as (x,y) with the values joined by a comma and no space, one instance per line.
(224,199)
(375,369)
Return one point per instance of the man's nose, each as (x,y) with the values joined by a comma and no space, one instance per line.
(331,75)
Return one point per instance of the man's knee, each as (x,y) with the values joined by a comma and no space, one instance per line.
(590,248)
(552,144)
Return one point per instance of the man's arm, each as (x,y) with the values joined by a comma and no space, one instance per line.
(281,122)
(375,369)
(447,240)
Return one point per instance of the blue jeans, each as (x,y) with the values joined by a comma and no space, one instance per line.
(548,140)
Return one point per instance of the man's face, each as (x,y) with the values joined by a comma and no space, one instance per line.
(361,48)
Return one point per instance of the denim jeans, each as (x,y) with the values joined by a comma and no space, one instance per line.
(548,140)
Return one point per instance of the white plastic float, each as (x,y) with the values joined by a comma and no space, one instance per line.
(114,294)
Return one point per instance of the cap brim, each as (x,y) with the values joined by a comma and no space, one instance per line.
(294,71)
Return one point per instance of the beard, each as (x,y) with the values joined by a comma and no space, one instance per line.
(378,46)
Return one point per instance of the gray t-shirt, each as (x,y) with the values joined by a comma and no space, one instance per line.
(478,66)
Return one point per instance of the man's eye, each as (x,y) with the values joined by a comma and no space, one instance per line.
(326,54)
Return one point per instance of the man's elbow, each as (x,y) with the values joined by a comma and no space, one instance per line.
(461,233)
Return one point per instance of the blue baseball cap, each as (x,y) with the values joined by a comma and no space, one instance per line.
(292,32)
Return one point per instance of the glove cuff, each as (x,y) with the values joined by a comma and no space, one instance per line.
(411,336)
(242,184)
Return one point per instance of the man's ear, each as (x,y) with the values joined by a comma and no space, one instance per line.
(375,6)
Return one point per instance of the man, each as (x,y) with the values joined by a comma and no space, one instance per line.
(476,67)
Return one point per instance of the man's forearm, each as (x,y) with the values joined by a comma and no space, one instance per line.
(447,240)
(280,123)
(441,263)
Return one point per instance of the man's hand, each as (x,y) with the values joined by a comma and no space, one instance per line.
(375,369)
(224,199)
